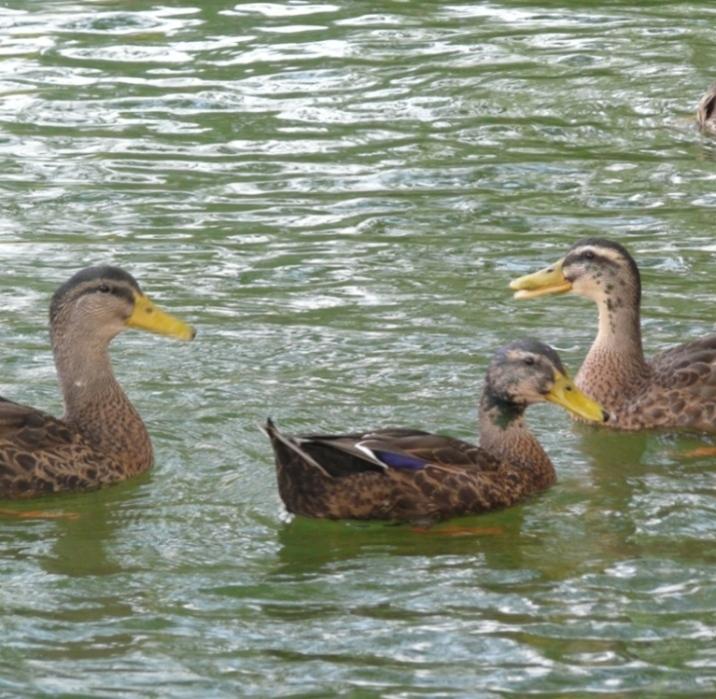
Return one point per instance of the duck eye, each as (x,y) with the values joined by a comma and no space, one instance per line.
(104,288)
(589,255)
(529,361)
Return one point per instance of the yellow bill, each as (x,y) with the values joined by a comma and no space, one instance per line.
(146,316)
(549,280)
(566,394)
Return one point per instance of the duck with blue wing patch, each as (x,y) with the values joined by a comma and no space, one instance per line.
(400,474)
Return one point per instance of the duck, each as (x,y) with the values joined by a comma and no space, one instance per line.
(101,439)
(407,475)
(706,111)
(673,389)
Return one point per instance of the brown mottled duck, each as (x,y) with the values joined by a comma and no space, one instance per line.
(674,389)
(706,112)
(409,475)
(101,439)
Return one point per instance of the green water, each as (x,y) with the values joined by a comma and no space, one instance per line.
(336,195)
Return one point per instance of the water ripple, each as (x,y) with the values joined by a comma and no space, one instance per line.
(336,196)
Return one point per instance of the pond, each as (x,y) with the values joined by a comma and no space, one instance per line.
(336,195)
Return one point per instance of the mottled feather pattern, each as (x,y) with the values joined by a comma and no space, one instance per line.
(101,439)
(41,454)
(459,478)
(676,389)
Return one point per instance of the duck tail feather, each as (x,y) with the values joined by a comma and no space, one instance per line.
(280,440)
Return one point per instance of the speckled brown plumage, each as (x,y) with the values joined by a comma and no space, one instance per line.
(675,389)
(101,438)
(410,475)
(706,111)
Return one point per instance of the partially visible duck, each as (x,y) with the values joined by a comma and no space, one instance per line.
(101,439)
(706,111)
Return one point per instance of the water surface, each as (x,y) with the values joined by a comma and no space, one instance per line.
(336,194)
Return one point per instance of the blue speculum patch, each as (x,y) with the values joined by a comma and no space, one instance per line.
(400,460)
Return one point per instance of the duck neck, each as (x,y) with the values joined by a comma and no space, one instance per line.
(504,434)
(95,404)
(615,362)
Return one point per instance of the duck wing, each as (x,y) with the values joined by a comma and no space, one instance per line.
(382,450)
(29,428)
(683,390)
(689,366)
